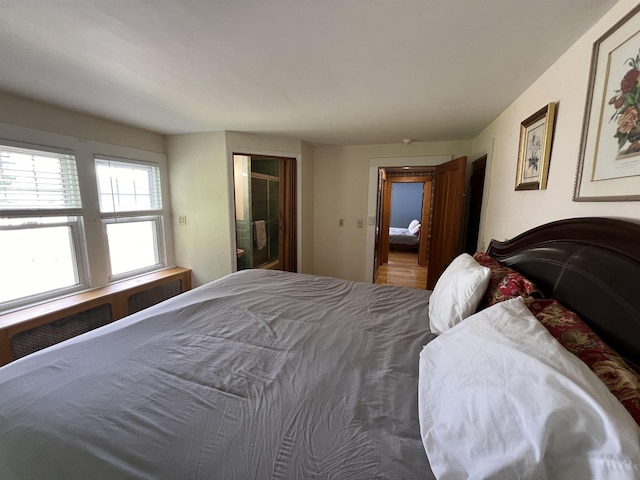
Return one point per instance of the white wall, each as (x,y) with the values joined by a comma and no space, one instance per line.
(198,178)
(342,178)
(201,179)
(23,112)
(506,212)
(306,194)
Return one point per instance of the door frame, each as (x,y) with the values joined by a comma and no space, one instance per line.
(297,181)
(385,214)
(374,165)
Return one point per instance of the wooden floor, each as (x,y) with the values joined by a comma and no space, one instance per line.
(402,271)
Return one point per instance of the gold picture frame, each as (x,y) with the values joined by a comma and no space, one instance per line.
(609,156)
(536,138)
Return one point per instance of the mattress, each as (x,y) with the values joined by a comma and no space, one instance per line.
(260,375)
(402,236)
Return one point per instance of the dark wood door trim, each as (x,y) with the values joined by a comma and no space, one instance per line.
(386,214)
(288,244)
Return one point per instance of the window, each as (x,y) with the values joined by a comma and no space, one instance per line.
(72,218)
(41,240)
(131,212)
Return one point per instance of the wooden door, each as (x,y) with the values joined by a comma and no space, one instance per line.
(424,221)
(449,183)
(377,261)
(288,239)
(385,216)
(476,190)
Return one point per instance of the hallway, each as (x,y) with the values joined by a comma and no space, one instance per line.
(402,271)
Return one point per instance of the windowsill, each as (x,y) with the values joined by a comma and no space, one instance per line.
(115,293)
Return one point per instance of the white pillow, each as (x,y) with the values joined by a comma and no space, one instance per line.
(413,224)
(414,229)
(457,293)
(499,397)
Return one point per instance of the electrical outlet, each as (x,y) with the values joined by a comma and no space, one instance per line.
(360,223)
(341,222)
(182,220)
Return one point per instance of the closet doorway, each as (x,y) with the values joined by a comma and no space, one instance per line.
(264,189)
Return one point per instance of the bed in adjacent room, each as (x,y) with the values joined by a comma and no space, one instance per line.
(268,374)
(401,238)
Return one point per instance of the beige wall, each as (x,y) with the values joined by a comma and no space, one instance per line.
(201,180)
(506,212)
(307,186)
(199,183)
(341,191)
(23,112)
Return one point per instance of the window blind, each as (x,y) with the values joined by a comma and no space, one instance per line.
(34,180)
(125,186)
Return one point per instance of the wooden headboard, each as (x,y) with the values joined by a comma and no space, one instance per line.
(592,266)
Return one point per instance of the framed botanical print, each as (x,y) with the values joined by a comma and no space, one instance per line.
(609,159)
(536,137)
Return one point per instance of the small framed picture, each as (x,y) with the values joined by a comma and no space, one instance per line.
(536,136)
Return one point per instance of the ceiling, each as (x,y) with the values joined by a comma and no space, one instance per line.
(341,72)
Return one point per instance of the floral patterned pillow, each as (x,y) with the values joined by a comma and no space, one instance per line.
(504,282)
(583,342)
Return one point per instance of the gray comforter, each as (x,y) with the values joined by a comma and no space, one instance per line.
(260,375)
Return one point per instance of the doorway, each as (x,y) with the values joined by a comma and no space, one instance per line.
(444,240)
(264,189)
(373,200)
(476,191)
(403,219)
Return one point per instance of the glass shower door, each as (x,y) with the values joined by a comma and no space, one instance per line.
(260,217)
(265,212)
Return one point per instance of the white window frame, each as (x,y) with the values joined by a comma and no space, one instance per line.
(155,215)
(76,225)
(159,244)
(92,261)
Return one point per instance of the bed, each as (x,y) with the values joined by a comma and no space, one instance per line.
(268,374)
(401,238)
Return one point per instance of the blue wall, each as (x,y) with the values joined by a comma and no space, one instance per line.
(406,203)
